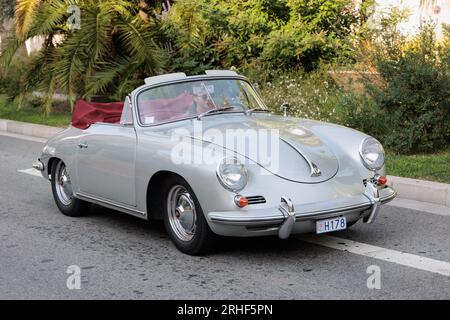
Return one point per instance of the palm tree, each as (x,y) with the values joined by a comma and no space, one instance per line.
(113,49)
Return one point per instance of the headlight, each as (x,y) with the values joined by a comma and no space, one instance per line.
(372,154)
(232,174)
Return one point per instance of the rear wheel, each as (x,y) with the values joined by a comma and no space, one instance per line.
(63,192)
(184,219)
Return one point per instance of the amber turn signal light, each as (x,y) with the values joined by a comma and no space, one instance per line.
(240,201)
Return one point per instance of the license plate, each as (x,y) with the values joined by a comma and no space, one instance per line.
(331,225)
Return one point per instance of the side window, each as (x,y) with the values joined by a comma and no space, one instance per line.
(127,115)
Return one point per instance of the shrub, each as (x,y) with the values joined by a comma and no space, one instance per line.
(11,80)
(310,95)
(280,34)
(360,112)
(415,96)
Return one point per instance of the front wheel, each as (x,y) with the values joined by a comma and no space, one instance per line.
(184,219)
(63,192)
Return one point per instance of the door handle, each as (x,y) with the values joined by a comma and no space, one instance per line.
(82,146)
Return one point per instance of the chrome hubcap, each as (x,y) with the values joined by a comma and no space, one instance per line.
(181,212)
(63,184)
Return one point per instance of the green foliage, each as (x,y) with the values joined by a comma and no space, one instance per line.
(432,166)
(382,40)
(11,81)
(186,38)
(310,95)
(318,30)
(315,95)
(114,46)
(279,34)
(415,95)
(29,112)
(360,112)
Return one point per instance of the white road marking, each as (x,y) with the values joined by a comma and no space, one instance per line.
(31,171)
(398,257)
(23,137)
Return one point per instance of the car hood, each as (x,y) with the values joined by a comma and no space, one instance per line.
(292,152)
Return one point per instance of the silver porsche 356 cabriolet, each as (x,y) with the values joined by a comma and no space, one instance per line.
(204,154)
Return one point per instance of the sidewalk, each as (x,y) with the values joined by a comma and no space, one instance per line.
(28,129)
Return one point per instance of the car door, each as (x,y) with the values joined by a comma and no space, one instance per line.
(106,160)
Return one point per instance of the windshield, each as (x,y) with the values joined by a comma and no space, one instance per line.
(191,99)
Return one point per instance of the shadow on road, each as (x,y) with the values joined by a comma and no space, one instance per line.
(225,245)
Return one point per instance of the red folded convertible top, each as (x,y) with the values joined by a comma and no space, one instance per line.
(86,113)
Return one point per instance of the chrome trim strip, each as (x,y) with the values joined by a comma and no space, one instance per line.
(245,222)
(314,169)
(111,204)
(311,214)
(298,216)
(390,197)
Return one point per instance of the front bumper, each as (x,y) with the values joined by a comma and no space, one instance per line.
(293,219)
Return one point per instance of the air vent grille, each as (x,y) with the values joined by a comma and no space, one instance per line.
(256,200)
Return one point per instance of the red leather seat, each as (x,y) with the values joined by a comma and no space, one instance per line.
(163,110)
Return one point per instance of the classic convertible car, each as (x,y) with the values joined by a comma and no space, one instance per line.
(165,154)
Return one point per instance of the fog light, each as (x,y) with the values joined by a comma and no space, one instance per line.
(240,201)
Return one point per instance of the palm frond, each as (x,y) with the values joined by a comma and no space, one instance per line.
(48,96)
(120,68)
(70,65)
(97,34)
(138,41)
(51,17)
(6,56)
(119,7)
(25,13)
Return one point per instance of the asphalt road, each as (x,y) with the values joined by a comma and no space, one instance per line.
(125,257)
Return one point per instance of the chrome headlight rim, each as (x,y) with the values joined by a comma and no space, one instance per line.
(365,162)
(219,174)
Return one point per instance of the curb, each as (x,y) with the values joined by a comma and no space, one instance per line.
(421,190)
(412,189)
(29,129)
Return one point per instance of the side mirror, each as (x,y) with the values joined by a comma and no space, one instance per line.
(285,107)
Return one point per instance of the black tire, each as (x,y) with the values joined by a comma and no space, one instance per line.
(203,239)
(72,207)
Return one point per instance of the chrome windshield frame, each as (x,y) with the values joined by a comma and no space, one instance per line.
(138,91)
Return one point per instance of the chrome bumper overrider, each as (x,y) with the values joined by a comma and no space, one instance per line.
(285,220)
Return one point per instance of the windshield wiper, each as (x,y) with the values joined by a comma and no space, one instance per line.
(201,115)
(256,109)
